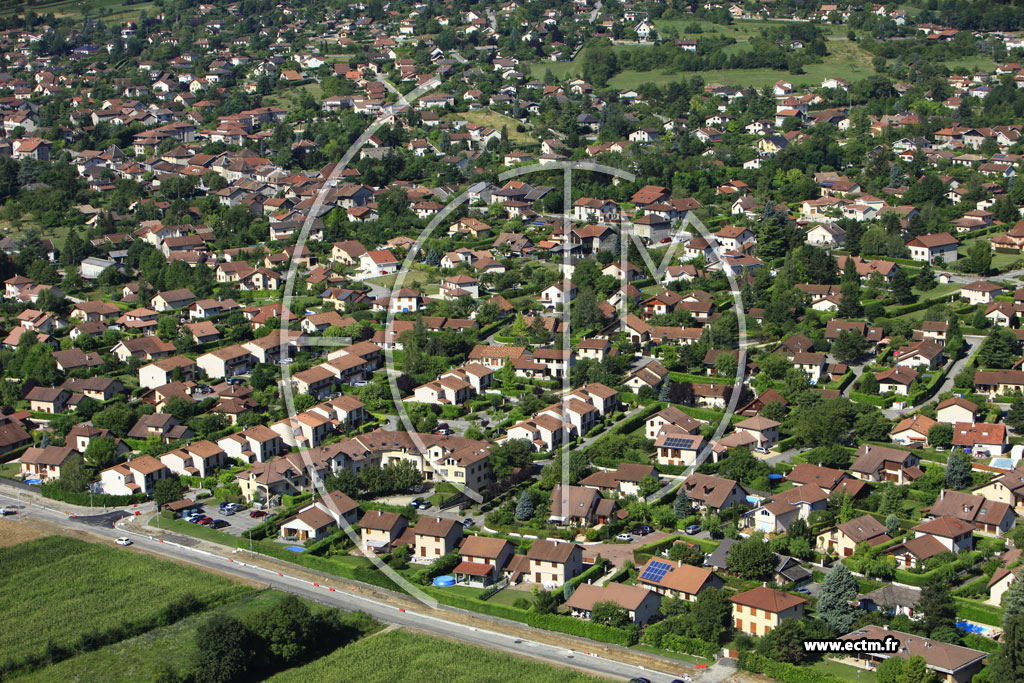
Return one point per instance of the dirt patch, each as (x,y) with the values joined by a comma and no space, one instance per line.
(13,532)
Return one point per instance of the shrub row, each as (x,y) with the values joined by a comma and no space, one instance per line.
(54,492)
(782,671)
(975,610)
(551,622)
(690,646)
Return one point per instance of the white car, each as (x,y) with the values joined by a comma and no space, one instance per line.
(624,537)
(124,540)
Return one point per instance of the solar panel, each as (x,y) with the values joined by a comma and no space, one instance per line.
(655,571)
(678,443)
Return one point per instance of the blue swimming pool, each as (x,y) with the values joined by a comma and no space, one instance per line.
(1003,463)
(295,548)
(974,628)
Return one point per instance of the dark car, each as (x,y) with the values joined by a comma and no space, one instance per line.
(219,523)
(415,502)
(639,679)
(642,530)
(257,513)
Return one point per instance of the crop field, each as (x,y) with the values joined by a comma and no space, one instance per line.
(422,658)
(60,595)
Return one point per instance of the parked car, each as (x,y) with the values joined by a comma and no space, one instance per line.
(803,590)
(642,530)
(257,513)
(760,449)
(220,523)
(693,529)
(124,540)
(468,521)
(624,537)
(227,512)
(415,502)
(425,505)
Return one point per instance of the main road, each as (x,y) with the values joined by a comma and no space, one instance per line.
(345,596)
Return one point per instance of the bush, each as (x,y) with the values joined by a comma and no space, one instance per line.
(54,492)
(690,646)
(781,671)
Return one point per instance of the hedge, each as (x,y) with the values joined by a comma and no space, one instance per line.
(54,492)
(976,610)
(897,311)
(929,390)
(690,646)
(550,622)
(596,571)
(782,671)
(879,401)
(960,564)
(637,421)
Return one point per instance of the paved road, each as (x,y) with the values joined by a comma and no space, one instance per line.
(350,600)
(973,343)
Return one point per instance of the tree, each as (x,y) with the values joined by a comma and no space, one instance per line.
(925,278)
(1008,663)
(687,554)
(849,346)
(1015,415)
(979,256)
(846,512)
(940,435)
(648,485)
(896,670)
(958,470)
(999,350)
(936,603)
(752,559)
(545,602)
(892,525)
(785,642)
(901,289)
(869,384)
(226,650)
(288,631)
(835,601)
(682,507)
(712,615)
(610,614)
(1013,601)
(524,509)
(167,491)
(100,453)
(515,453)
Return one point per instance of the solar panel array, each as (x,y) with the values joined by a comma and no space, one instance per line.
(673,442)
(655,571)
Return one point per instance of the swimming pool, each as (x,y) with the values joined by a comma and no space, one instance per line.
(979,629)
(1003,463)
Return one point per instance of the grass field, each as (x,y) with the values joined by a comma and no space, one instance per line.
(107,9)
(424,659)
(496,121)
(289,97)
(132,660)
(71,594)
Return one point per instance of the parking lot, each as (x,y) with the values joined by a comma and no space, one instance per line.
(238,523)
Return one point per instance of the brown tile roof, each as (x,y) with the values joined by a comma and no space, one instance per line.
(628,597)
(767,599)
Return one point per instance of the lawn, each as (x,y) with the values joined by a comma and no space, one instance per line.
(496,121)
(289,97)
(413,278)
(62,593)
(10,470)
(843,671)
(424,659)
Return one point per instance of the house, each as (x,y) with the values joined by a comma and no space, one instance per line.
(379,531)
(713,493)
(812,364)
(378,262)
(43,463)
(998,382)
(953,534)
(172,300)
(1000,583)
(980,437)
(311,523)
(980,292)
(1007,487)
(913,429)
(258,443)
(988,516)
(758,611)
(553,563)
(198,458)
(268,481)
(892,599)
(843,539)
(227,361)
(936,248)
(164,371)
(776,514)
(678,449)
(434,537)
(879,463)
(623,481)
(641,605)
(676,579)
(139,475)
(956,409)
(556,294)
(825,478)
(670,419)
(949,663)
(47,400)
(827,235)
(482,560)
(896,380)
(925,354)
(163,426)
(761,428)
(574,505)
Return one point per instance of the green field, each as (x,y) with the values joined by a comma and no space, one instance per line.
(496,121)
(132,660)
(403,656)
(115,10)
(59,594)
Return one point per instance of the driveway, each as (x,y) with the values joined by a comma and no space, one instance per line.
(618,553)
(973,343)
